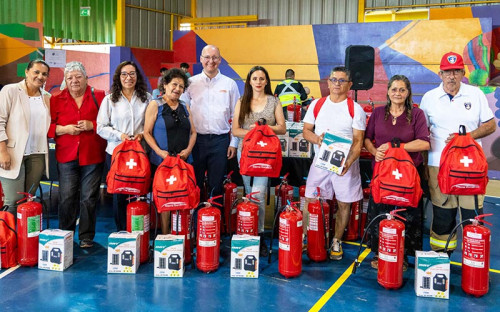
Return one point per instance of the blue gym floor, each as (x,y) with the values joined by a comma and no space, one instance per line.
(327,286)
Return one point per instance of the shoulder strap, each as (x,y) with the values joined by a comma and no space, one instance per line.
(93,96)
(350,106)
(318,106)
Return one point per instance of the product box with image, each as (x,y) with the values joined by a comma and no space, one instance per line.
(124,252)
(245,256)
(333,153)
(432,274)
(284,143)
(297,145)
(55,249)
(169,256)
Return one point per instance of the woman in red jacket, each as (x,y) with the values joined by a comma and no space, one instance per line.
(79,152)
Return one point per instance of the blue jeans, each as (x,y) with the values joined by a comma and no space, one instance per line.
(210,155)
(259,185)
(79,191)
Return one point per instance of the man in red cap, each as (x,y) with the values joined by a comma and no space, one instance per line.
(446,107)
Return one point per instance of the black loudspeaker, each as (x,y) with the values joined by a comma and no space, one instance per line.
(360,61)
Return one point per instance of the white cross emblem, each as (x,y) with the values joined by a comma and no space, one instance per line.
(466,161)
(262,143)
(131,164)
(171,180)
(396,174)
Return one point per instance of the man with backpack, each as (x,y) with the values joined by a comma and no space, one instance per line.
(451,104)
(338,115)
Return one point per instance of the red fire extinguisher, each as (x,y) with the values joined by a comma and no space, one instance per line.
(364,211)
(29,222)
(208,236)
(248,216)
(390,250)
(293,111)
(317,229)
(290,242)
(283,193)
(475,255)
(181,225)
(138,221)
(352,231)
(230,196)
(302,196)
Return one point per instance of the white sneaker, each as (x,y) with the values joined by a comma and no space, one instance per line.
(336,250)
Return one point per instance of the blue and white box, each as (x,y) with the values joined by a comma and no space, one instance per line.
(169,256)
(245,256)
(55,249)
(124,252)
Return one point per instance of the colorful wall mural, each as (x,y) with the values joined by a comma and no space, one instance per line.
(411,48)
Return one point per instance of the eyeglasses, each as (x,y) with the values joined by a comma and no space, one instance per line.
(340,81)
(131,74)
(400,90)
(175,115)
(213,58)
(452,72)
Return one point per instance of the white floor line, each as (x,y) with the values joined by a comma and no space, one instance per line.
(4,274)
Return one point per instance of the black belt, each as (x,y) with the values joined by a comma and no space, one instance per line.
(210,135)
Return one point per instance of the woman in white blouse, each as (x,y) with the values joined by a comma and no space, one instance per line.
(120,118)
(24,122)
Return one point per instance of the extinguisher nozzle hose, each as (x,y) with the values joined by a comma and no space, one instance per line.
(356,262)
(355,266)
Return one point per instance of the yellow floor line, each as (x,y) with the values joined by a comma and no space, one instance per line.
(4,274)
(333,289)
(460,264)
(354,243)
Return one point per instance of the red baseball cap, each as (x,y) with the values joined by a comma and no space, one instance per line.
(451,60)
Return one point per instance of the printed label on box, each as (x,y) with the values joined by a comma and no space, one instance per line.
(124,252)
(432,274)
(169,256)
(55,250)
(333,153)
(245,256)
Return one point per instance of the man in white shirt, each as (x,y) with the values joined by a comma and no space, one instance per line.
(334,117)
(446,107)
(212,98)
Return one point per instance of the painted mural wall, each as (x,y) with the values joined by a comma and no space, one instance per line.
(411,48)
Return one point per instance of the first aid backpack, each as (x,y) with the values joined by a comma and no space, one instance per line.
(261,152)
(174,185)
(130,171)
(395,178)
(8,240)
(463,169)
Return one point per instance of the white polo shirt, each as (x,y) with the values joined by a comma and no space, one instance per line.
(335,118)
(469,107)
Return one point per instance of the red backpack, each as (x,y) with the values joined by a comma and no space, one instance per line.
(395,179)
(261,153)
(463,169)
(174,185)
(319,104)
(8,240)
(130,171)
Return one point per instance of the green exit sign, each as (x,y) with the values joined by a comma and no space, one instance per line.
(84,11)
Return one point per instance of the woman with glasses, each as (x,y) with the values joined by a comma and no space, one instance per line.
(398,118)
(121,117)
(257,103)
(24,122)
(169,128)
(79,151)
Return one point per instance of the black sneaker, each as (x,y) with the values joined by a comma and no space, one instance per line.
(86,243)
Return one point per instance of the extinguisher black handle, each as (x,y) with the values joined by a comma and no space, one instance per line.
(462,130)
(395,142)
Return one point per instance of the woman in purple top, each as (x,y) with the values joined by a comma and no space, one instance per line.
(398,118)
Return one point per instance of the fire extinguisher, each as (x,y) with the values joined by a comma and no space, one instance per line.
(230,196)
(317,229)
(29,222)
(248,216)
(352,231)
(290,242)
(181,225)
(364,211)
(293,111)
(208,236)
(138,221)
(390,250)
(302,196)
(283,193)
(475,255)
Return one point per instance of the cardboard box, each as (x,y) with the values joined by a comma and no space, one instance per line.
(124,252)
(333,153)
(55,250)
(432,274)
(245,256)
(297,145)
(169,256)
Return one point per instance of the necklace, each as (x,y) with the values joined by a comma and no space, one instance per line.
(394,120)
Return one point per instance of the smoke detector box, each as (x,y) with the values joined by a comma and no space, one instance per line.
(169,256)
(432,274)
(55,250)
